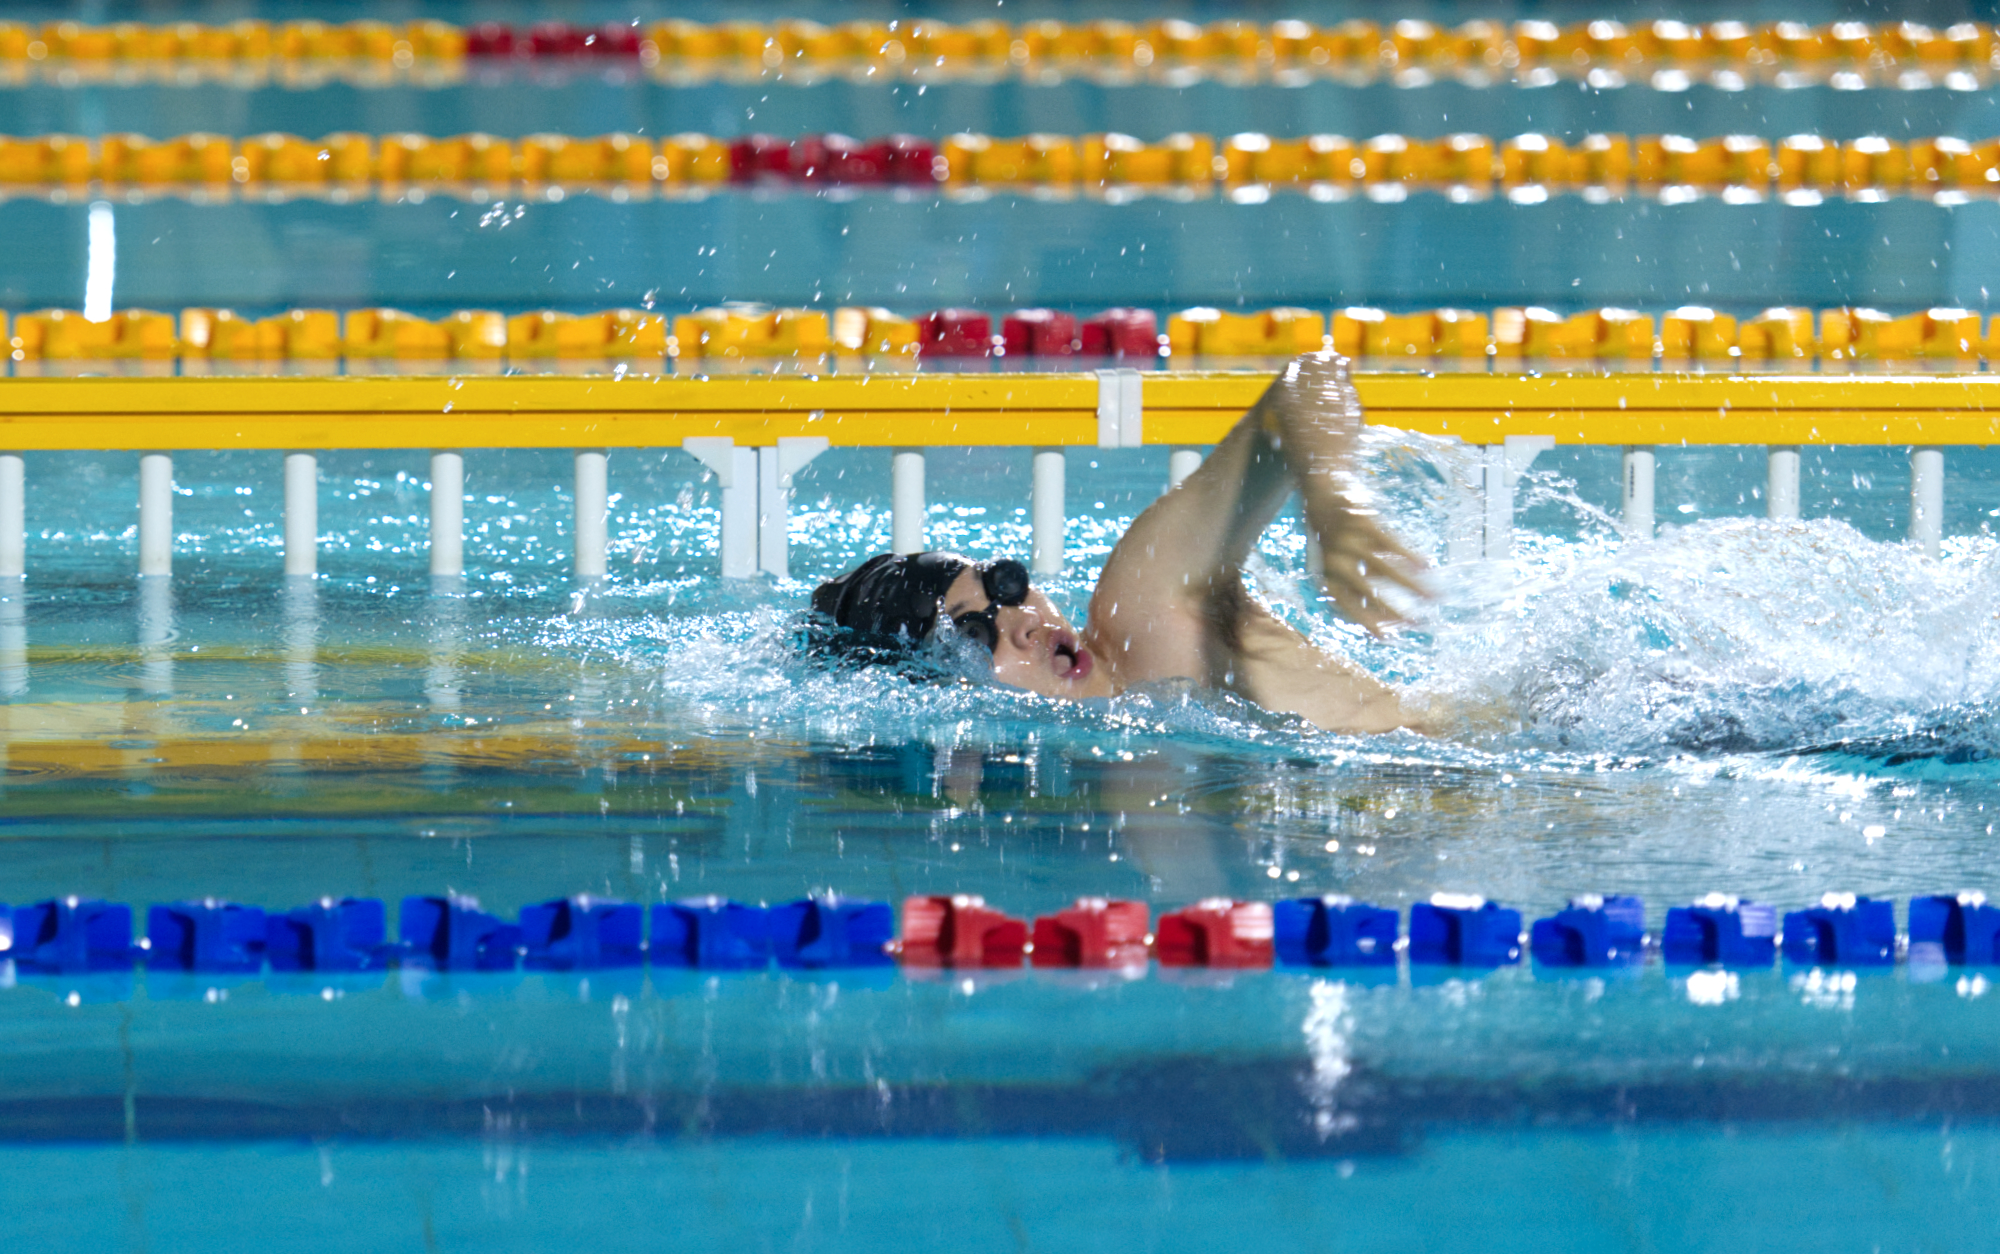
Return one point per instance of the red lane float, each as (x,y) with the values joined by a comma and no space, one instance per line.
(1095,932)
(960,930)
(1218,932)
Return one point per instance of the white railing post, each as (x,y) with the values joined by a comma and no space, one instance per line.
(447,513)
(1046,511)
(735,471)
(1181,463)
(906,501)
(301,515)
(1927,499)
(1639,491)
(156,514)
(593,498)
(1781,486)
(13,516)
(775,468)
(1465,505)
(1505,463)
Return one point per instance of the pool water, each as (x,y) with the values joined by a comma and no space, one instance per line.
(1777,710)
(1649,719)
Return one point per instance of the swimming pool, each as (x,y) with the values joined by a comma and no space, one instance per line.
(1767,708)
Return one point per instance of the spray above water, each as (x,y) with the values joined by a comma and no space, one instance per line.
(1735,636)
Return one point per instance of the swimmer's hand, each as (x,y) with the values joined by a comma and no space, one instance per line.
(1312,414)
(1358,558)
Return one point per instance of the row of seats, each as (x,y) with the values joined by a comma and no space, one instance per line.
(451,933)
(928,43)
(1870,164)
(1692,333)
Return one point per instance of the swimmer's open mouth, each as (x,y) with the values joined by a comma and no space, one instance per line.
(1068,659)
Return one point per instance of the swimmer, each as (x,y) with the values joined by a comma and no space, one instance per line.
(1171,602)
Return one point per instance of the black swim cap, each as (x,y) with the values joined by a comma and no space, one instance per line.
(891,597)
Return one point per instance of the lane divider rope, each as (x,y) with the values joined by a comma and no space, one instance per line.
(1412,52)
(1246,167)
(72,935)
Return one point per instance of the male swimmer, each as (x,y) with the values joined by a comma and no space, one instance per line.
(1171,602)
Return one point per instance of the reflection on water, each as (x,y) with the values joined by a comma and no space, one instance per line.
(300,635)
(447,616)
(13,636)
(156,635)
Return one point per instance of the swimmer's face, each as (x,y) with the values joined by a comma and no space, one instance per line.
(1033,648)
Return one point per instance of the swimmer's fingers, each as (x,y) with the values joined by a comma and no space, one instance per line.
(1359,602)
(1397,563)
(1358,565)
(1359,544)
(1352,580)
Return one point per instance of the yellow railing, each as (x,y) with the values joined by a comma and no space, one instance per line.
(755,432)
(914,410)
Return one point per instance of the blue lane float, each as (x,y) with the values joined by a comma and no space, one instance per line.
(711,934)
(345,934)
(75,935)
(1963,928)
(582,933)
(1721,930)
(1842,930)
(1459,930)
(826,933)
(72,935)
(1333,931)
(1592,931)
(206,935)
(452,933)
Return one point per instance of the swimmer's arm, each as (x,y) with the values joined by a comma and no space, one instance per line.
(1313,415)
(1302,432)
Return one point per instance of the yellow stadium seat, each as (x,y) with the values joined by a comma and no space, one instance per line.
(876,332)
(1697,333)
(1784,333)
(752,331)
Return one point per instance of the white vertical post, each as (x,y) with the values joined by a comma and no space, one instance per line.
(1781,487)
(1927,499)
(156,514)
(1639,491)
(301,514)
(735,471)
(1464,505)
(775,468)
(1046,511)
(593,498)
(739,515)
(906,501)
(1504,464)
(774,513)
(1181,463)
(13,516)
(1499,538)
(447,513)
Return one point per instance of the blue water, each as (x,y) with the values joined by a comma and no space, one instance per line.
(1777,710)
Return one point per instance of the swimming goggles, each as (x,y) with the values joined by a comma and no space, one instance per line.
(1006,584)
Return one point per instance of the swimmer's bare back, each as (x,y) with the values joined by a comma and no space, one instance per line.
(1171,603)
